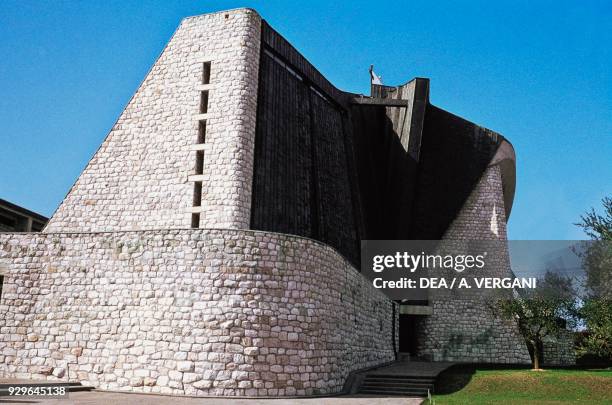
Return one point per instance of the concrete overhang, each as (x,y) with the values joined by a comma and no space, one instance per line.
(505,158)
(415,309)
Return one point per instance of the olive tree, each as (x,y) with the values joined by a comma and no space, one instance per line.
(547,310)
(596,310)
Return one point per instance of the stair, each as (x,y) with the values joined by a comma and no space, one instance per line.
(404,356)
(76,387)
(393,384)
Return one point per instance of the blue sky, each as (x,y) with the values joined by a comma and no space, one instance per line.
(539,72)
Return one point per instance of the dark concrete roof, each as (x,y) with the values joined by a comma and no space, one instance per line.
(20,210)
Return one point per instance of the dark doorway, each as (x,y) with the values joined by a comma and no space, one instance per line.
(408,333)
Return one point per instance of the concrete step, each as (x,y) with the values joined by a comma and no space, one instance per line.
(399,382)
(79,387)
(400,379)
(402,356)
(408,378)
(404,393)
(399,376)
(394,384)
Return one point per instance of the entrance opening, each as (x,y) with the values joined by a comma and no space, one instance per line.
(408,333)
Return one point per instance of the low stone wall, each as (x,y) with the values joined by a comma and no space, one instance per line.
(468,331)
(195,312)
(559,351)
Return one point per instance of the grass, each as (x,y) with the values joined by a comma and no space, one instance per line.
(512,386)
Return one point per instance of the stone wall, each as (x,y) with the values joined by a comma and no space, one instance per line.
(142,175)
(559,351)
(464,326)
(483,216)
(196,312)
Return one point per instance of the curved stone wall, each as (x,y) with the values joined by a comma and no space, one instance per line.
(196,312)
(463,326)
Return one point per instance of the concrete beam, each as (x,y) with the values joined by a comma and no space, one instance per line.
(195,210)
(387,102)
(196,177)
(200,117)
(204,87)
(198,146)
(416,310)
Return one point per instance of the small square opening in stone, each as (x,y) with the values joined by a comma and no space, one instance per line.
(204,102)
(206,73)
(195,220)
(197,194)
(202,131)
(199,166)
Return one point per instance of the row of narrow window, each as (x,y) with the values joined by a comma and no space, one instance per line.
(201,138)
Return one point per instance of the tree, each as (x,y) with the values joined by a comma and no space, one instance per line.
(547,310)
(598,319)
(597,263)
(598,227)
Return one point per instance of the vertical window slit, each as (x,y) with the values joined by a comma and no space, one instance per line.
(195,220)
(202,131)
(204,102)
(199,166)
(197,194)
(206,73)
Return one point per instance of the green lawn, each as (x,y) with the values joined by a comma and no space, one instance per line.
(555,386)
